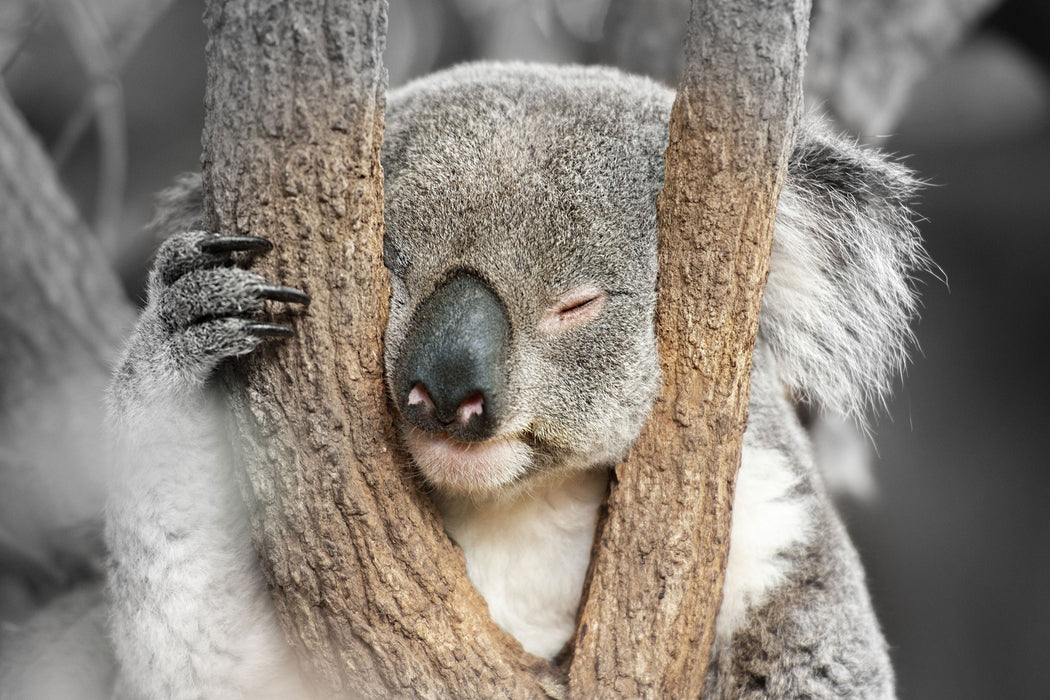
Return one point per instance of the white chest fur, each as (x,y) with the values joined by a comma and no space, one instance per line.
(528,557)
(769,519)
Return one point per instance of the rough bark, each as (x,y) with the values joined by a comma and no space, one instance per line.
(61,321)
(369,590)
(648,623)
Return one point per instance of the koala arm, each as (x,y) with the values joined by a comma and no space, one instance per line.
(190,613)
(796,620)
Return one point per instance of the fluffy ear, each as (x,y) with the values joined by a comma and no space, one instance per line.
(839,299)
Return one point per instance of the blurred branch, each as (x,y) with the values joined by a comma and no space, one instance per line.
(103,35)
(864,58)
(61,322)
(64,311)
(106,32)
(89,35)
(18,21)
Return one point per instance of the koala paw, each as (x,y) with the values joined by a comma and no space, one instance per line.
(203,308)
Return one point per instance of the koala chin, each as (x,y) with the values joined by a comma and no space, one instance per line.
(520,352)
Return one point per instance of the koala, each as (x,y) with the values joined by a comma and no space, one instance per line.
(520,212)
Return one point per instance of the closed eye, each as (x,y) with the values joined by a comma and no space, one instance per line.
(578,306)
(573,309)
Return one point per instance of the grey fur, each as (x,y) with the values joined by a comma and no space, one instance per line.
(535,180)
(815,635)
(189,614)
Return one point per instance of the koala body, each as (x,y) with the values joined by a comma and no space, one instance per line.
(541,183)
(520,208)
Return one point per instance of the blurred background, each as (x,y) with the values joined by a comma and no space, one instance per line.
(956,539)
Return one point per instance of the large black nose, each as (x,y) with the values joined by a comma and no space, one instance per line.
(453,366)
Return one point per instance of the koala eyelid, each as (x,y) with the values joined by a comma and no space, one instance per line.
(573,309)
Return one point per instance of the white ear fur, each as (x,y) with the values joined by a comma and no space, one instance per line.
(839,299)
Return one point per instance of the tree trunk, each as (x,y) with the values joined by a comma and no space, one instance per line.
(647,626)
(370,591)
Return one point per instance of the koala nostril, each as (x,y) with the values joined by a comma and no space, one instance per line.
(418,396)
(474,405)
(435,415)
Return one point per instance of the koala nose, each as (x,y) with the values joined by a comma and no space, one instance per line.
(454,361)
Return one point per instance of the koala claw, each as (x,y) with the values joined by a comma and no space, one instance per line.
(269,330)
(276,292)
(218,245)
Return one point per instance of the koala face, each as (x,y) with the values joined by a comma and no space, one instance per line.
(520,209)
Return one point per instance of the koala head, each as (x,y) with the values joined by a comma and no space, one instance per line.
(521,244)
(520,241)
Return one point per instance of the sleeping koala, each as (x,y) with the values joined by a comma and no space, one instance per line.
(520,209)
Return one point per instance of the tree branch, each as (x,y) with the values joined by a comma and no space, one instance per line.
(648,623)
(370,591)
(63,316)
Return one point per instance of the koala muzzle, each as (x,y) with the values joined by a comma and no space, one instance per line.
(453,368)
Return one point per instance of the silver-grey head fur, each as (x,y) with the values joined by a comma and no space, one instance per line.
(537,179)
(537,182)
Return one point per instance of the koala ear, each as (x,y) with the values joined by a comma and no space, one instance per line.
(839,299)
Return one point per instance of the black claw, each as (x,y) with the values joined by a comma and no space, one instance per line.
(218,245)
(278,293)
(269,330)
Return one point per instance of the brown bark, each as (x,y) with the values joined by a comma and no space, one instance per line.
(648,623)
(369,590)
